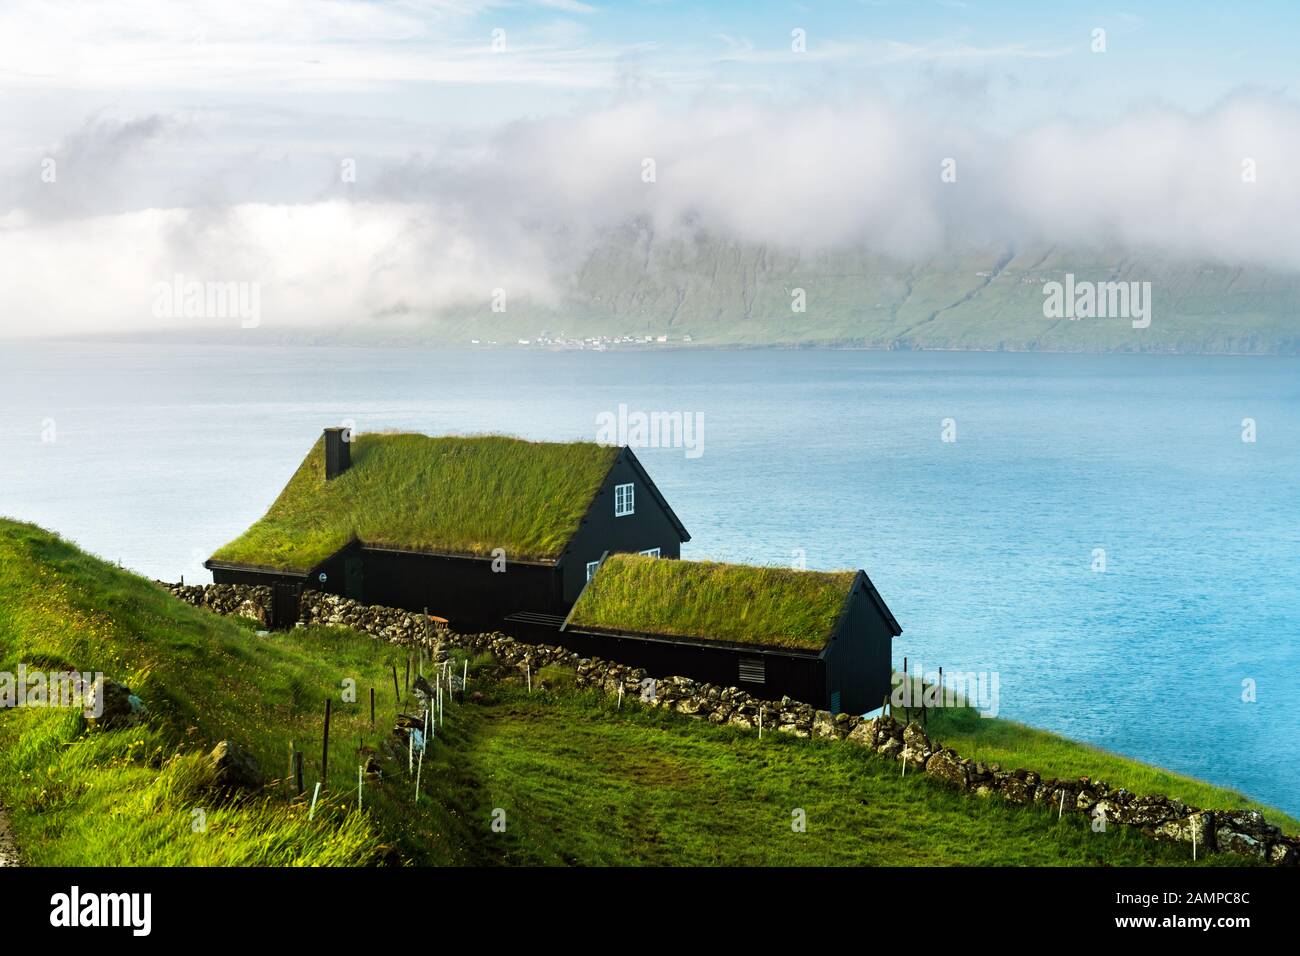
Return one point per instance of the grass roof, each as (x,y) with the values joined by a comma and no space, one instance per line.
(711,601)
(446,494)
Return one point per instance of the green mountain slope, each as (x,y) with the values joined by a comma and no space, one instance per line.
(725,294)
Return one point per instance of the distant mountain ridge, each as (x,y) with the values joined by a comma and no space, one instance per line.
(714,293)
(636,290)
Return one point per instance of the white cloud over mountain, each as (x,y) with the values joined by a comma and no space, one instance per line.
(442,213)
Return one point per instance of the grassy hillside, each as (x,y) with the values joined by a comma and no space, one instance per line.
(128,796)
(579,780)
(580,784)
(724,294)
(706,599)
(448,494)
(1016,745)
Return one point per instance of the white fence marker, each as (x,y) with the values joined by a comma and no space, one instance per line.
(360,781)
(311,814)
(1060,813)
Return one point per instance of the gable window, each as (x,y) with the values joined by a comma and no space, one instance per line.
(624,500)
(650,552)
(591,568)
(753,670)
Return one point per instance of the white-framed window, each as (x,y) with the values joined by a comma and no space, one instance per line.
(591,568)
(624,500)
(650,552)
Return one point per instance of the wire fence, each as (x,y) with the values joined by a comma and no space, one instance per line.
(421,730)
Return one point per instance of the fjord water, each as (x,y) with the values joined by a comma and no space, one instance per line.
(984,547)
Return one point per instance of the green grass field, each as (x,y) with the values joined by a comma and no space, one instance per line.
(993,740)
(580,784)
(706,599)
(127,797)
(577,779)
(426,493)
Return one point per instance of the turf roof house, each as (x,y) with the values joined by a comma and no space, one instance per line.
(413,521)
(825,638)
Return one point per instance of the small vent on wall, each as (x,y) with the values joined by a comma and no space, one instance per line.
(835,702)
(753,670)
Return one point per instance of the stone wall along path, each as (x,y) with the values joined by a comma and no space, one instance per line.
(1241,832)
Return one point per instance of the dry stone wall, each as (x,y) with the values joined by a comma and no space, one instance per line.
(1242,832)
(252,601)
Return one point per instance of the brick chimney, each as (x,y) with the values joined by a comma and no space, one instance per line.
(338,452)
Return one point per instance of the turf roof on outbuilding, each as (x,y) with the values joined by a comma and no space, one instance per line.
(710,601)
(441,495)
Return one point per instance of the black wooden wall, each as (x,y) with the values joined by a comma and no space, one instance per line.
(466,591)
(799,676)
(860,655)
(600,531)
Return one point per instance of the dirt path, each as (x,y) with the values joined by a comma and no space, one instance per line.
(8,852)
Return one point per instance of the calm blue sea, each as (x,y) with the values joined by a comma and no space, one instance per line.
(984,547)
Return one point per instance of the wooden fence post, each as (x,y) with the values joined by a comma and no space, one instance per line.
(325,747)
(418,771)
(396,688)
(907,694)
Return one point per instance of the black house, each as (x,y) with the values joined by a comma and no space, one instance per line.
(485,531)
(825,638)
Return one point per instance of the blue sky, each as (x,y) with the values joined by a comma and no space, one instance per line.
(1015,63)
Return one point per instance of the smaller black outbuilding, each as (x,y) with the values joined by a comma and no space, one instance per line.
(824,638)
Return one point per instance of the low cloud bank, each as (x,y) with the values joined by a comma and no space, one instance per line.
(135,203)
